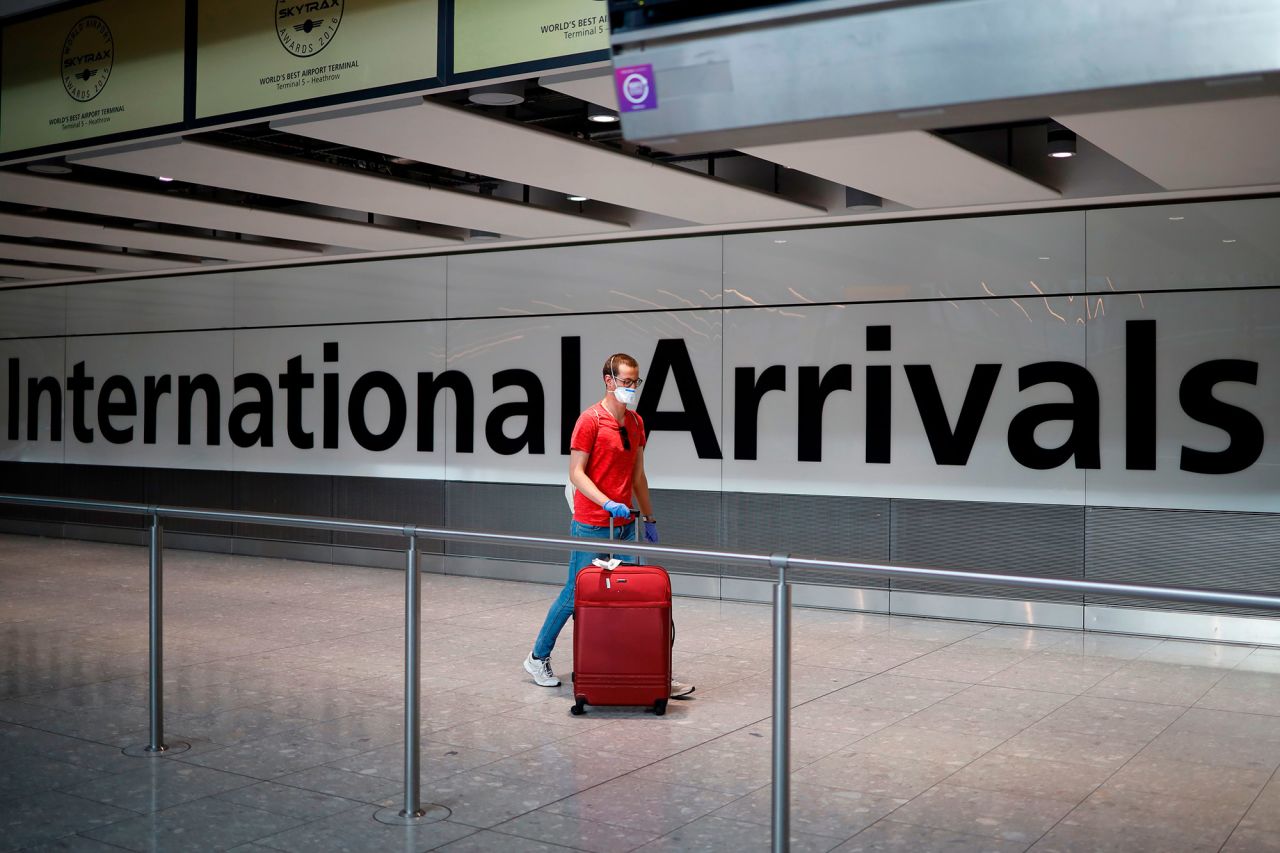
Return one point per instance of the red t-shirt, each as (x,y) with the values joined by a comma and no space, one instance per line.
(609,465)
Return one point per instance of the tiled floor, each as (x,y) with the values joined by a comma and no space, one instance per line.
(910,734)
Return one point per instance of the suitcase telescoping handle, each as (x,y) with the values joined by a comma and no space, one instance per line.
(635,517)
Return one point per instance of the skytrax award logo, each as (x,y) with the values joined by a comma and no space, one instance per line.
(306,28)
(87,56)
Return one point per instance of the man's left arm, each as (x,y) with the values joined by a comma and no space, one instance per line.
(640,485)
(640,489)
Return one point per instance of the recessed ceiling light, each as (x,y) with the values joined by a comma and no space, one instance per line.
(1043,258)
(49,168)
(779,241)
(602,116)
(163,178)
(1229,241)
(1061,142)
(1176,218)
(498,95)
(576,197)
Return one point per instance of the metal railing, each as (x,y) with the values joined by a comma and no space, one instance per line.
(414,810)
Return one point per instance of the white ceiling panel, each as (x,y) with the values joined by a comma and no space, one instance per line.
(462,139)
(32,273)
(914,168)
(13,225)
(1191,146)
(62,194)
(594,87)
(106,261)
(215,166)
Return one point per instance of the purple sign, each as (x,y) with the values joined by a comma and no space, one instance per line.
(636,90)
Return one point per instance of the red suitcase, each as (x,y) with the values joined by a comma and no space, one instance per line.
(622,637)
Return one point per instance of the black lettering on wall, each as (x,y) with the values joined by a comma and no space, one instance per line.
(126,407)
(570,388)
(397,411)
(1243,429)
(293,382)
(879,414)
(14,392)
(330,426)
(1140,395)
(1084,441)
(187,388)
(747,393)
(952,447)
(532,409)
(153,388)
(261,409)
(879,398)
(671,357)
(464,402)
(813,399)
(37,388)
(78,383)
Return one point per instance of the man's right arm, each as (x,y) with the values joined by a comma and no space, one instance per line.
(581,482)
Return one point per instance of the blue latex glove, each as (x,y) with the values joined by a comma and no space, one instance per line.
(651,532)
(617,510)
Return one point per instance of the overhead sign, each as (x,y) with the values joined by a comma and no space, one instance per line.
(252,54)
(1161,401)
(104,68)
(490,34)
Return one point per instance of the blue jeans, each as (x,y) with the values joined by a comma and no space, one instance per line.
(562,607)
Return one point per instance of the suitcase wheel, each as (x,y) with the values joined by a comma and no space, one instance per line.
(579,708)
(660,707)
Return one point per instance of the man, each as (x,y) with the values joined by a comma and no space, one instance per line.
(606,468)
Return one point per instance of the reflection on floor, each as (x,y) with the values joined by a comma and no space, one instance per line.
(910,734)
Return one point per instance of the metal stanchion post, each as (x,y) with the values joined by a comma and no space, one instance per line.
(781,823)
(413,811)
(155,669)
(412,645)
(156,673)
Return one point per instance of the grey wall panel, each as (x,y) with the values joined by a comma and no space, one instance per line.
(105,483)
(1182,246)
(33,311)
(375,499)
(412,288)
(1219,550)
(841,528)
(980,257)
(511,508)
(1183,548)
(32,478)
(686,518)
(311,552)
(25,527)
(683,273)
(283,493)
(1039,540)
(151,305)
(194,488)
(692,519)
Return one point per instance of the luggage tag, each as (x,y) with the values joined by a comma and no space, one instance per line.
(608,566)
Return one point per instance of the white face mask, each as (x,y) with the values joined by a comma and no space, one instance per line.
(625,396)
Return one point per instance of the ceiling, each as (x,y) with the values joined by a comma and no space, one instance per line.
(440,174)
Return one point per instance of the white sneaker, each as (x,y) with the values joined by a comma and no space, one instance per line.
(541,671)
(680,690)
